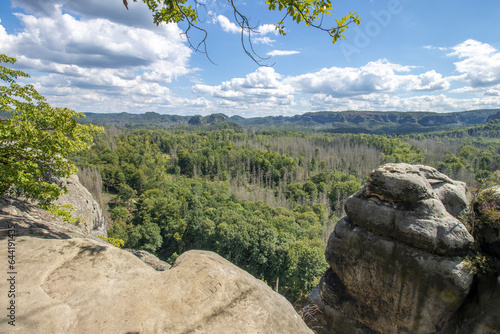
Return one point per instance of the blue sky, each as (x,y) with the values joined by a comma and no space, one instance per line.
(407,55)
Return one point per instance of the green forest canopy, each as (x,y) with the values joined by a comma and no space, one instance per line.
(266,200)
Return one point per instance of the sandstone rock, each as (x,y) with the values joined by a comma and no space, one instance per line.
(150,259)
(69,282)
(396,261)
(35,222)
(399,183)
(455,196)
(389,286)
(410,183)
(85,207)
(399,201)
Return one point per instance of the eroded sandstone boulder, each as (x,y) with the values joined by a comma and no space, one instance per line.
(67,281)
(400,201)
(397,259)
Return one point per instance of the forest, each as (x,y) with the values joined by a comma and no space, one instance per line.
(264,198)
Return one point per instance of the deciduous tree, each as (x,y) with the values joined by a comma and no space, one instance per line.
(35,138)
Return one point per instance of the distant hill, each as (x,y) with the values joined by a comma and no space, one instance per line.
(329,121)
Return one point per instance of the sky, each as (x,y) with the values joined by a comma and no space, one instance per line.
(407,55)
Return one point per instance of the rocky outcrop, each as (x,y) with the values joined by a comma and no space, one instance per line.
(67,281)
(150,259)
(85,207)
(397,259)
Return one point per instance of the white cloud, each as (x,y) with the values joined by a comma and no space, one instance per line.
(480,64)
(258,34)
(227,25)
(267,29)
(282,53)
(377,76)
(389,102)
(369,87)
(472,49)
(99,62)
(137,15)
(261,90)
(378,85)
(263,40)
(97,56)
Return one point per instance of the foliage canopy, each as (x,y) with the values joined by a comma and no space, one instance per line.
(35,138)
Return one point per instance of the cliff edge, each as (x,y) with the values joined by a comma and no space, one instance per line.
(63,280)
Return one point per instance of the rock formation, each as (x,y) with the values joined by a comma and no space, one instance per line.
(67,281)
(397,259)
(84,206)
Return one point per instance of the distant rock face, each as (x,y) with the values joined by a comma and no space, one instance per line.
(85,206)
(396,261)
(67,281)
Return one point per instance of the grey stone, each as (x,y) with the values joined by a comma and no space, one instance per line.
(390,287)
(455,196)
(399,183)
(397,260)
(424,224)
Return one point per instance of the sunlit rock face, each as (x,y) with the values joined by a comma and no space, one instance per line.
(397,259)
(85,207)
(68,281)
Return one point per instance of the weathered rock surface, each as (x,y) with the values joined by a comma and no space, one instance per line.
(67,281)
(150,259)
(399,201)
(84,206)
(396,261)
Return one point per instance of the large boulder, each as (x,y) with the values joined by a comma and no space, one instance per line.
(67,281)
(397,260)
(399,201)
(390,286)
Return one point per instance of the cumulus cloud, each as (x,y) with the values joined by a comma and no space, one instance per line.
(96,60)
(368,87)
(97,56)
(258,35)
(480,64)
(377,76)
(227,25)
(263,40)
(261,89)
(231,27)
(389,102)
(265,29)
(115,11)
